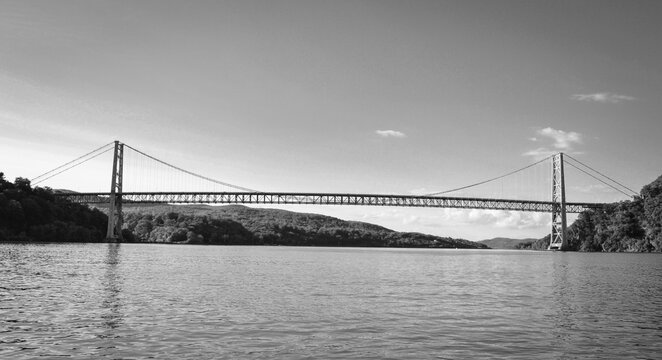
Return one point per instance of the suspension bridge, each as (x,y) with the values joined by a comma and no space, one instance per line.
(557,205)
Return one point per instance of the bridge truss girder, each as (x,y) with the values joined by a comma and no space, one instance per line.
(283,198)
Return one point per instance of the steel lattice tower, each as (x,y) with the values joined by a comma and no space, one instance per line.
(558,239)
(115,207)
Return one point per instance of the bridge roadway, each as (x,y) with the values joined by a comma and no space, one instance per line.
(325,199)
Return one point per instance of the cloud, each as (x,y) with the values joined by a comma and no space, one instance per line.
(602,98)
(522,220)
(500,218)
(540,153)
(431,220)
(593,188)
(562,140)
(390,133)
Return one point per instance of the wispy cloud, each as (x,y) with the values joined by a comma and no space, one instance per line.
(602,97)
(559,141)
(390,133)
(499,218)
(433,220)
(540,153)
(593,188)
(562,140)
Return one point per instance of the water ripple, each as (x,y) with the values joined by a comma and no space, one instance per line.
(137,301)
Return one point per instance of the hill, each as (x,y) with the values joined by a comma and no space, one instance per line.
(28,214)
(505,243)
(241,225)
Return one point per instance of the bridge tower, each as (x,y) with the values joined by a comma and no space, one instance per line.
(115,206)
(558,239)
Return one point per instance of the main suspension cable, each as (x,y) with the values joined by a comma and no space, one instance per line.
(602,181)
(71,167)
(489,180)
(192,173)
(69,163)
(614,181)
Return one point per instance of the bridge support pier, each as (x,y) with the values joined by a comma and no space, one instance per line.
(558,239)
(114,232)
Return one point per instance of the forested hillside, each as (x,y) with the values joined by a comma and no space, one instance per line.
(634,226)
(238,225)
(28,214)
(504,243)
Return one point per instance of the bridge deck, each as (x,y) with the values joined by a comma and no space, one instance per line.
(326,199)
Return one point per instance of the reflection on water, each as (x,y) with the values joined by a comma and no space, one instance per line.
(112,287)
(111,303)
(156,301)
(562,301)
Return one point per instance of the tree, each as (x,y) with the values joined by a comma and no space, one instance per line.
(15,215)
(28,214)
(652,209)
(143,229)
(23,184)
(4,184)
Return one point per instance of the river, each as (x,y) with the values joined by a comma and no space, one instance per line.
(139,301)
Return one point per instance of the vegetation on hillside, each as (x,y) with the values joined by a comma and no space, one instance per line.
(240,225)
(28,214)
(504,243)
(634,226)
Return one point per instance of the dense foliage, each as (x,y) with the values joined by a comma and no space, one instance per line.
(28,214)
(239,225)
(634,226)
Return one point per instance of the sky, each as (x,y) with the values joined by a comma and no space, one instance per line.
(393,97)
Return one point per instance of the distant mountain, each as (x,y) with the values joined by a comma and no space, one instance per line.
(505,243)
(63,191)
(241,225)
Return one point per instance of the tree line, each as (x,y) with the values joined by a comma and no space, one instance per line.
(28,214)
(634,225)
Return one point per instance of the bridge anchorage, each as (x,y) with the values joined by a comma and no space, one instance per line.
(558,205)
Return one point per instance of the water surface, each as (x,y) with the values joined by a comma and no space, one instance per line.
(139,301)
